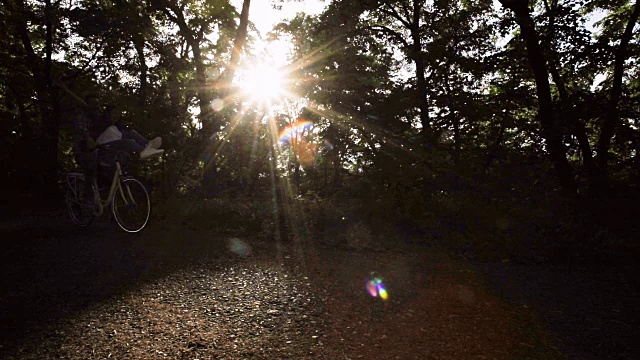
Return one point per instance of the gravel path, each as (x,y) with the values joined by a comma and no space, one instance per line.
(182,293)
(234,312)
(108,294)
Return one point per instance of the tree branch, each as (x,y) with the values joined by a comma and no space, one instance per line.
(86,65)
(394,13)
(393,33)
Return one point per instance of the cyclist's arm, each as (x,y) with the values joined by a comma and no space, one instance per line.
(91,144)
(61,85)
(83,135)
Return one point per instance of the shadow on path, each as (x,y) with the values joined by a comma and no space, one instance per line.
(50,268)
(591,312)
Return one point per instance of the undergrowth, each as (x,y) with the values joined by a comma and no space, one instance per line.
(471,226)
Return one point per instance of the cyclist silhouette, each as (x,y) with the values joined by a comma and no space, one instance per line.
(94,126)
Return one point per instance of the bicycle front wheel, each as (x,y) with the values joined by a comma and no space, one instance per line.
(78,199)
(131,206)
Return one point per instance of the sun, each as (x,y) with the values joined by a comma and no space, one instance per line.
(263,78)
(262,83)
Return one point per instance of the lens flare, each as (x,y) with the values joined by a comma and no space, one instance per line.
(217,104)
(239,247)
(371,288)
(292,130)
(304,147)
(382,292)
(375,288)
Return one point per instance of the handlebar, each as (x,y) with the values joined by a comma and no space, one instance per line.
(118,155)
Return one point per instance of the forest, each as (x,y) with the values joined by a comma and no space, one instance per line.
(402,179)
(504,127)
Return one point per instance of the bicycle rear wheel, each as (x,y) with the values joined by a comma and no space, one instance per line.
(78,199)
(131,206)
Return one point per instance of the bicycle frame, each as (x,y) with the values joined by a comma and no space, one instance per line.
(72,183)
(116,187)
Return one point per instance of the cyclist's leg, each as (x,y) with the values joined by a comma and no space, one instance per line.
(135,136)
(131,146)
(127,145)
(88,161)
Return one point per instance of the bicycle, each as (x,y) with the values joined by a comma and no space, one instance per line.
(127,196)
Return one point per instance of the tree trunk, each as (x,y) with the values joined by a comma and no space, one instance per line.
(138,43)
(202,91)
(337,167)
(493,151)
(209,127)
(550,129)
(50,117)
(47,101)
(575,124)
(209,124)
(421,81)
(612,115)
(238,45)
(194,40)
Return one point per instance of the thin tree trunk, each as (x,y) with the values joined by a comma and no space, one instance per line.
(612,115)
(336,170)
(138,43)
(457,142)
(420,77)
(51,117)
(202,92)
(491,156)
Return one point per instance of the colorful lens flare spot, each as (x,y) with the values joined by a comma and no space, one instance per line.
(217,104)
(239,247)
(376,288)
(294,129)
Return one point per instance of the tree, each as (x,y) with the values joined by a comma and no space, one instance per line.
(611,119)
(36,44)
(552,129)
(346,81)
(195,19)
